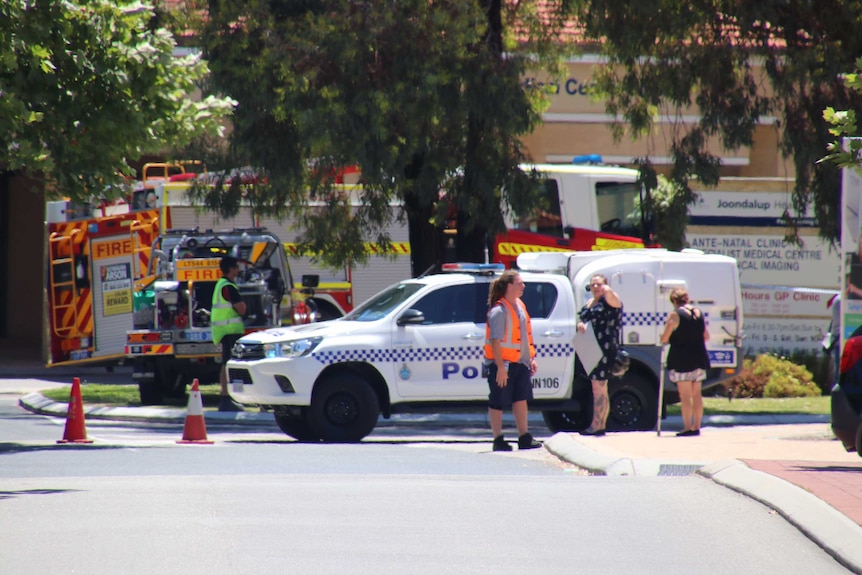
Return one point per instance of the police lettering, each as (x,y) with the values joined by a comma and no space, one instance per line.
(468,372)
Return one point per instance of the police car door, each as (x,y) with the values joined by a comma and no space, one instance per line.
(553,331)
(442,357)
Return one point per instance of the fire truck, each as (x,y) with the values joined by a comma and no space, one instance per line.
(581,208)
(125,287)
(170,341)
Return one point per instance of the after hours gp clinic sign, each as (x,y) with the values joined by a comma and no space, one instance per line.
(116,289)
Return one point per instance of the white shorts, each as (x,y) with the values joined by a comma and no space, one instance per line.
(677,376)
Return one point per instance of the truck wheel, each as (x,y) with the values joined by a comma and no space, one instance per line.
(295,426)
(150,391)
(172,384)
(633,403)
(565,420)
(344,408)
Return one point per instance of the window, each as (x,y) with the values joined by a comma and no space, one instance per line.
(383,303)
(545,217)
(451,304)
(619,208)
(539,297)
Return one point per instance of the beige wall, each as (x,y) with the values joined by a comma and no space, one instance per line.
(575,124)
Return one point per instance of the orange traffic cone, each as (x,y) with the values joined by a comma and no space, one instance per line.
(195,429)
(76,429)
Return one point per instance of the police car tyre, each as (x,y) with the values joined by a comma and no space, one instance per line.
(296,426)
(633,402)
(566,420)
(344,408)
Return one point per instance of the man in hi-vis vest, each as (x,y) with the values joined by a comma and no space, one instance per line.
(509,358)
(226,320)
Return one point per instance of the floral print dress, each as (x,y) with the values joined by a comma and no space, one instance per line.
(607,322)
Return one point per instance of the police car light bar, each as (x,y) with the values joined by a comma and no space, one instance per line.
(587,160)
(473,268)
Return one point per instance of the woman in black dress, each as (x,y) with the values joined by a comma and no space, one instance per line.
(605,311)
(688,360)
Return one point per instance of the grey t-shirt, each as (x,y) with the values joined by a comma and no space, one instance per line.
(497,322)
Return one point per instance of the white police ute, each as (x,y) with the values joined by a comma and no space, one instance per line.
(419,344)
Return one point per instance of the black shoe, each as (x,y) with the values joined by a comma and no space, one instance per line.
(688,433)
(526,441)
(594,433)
(501,445)
(228,404)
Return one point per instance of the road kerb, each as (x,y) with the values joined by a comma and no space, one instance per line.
(830,529)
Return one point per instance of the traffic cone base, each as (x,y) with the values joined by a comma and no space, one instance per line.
(76,428)
(195,428)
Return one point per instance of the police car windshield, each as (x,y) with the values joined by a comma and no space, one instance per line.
(384,303)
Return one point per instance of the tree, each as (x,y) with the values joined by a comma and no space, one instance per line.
(735,63)
(88,86)
(422,96)
(845,153)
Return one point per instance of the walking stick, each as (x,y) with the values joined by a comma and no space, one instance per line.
(662,361)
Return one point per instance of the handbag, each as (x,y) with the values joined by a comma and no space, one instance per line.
(622,359)
(621,363)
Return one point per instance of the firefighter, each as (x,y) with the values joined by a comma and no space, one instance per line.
(227,312)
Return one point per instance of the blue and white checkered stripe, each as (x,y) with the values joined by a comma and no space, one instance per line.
(647,318)
(642,318)
(458,353)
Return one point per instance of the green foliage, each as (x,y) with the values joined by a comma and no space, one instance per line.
(820,366)
(731,65)
(769,375)
(669,206)
(89,85)
(845,153)
(422,96)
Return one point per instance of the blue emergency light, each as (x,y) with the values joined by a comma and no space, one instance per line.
(587,160)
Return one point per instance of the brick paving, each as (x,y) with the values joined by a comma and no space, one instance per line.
(837,483)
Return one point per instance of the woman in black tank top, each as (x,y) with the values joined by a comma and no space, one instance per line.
(687,361)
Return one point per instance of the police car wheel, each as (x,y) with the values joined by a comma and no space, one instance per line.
(565,420)
(633,403)
(296,426)
(343,409)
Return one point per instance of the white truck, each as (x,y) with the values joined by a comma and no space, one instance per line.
(419,344)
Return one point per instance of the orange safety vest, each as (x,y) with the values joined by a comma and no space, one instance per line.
(511,342)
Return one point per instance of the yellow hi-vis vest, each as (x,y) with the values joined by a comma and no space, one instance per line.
(511,342)
(224,319)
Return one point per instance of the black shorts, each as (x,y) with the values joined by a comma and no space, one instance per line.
(227,345)
(519,387)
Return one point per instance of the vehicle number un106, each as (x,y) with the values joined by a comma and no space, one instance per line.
(546,382)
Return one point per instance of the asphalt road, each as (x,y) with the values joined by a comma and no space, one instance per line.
(430,502)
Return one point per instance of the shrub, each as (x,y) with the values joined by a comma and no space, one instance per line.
(768,375)
(819,364)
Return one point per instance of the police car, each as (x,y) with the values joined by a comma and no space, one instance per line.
(418,342)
